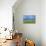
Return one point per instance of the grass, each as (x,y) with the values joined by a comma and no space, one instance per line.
(29,21)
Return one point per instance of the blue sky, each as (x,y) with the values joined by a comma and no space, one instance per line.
(29,17)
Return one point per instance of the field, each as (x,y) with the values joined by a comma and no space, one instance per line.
(29,21)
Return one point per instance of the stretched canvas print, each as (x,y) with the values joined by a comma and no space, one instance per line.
(29,19)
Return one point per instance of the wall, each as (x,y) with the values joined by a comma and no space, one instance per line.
(43,13)
(6,13)
(30,31)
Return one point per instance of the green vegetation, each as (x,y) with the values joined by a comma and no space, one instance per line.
(29,21)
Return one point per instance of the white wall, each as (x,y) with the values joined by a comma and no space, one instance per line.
(43,13)
(6,13)
(31,31)
(36,31)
